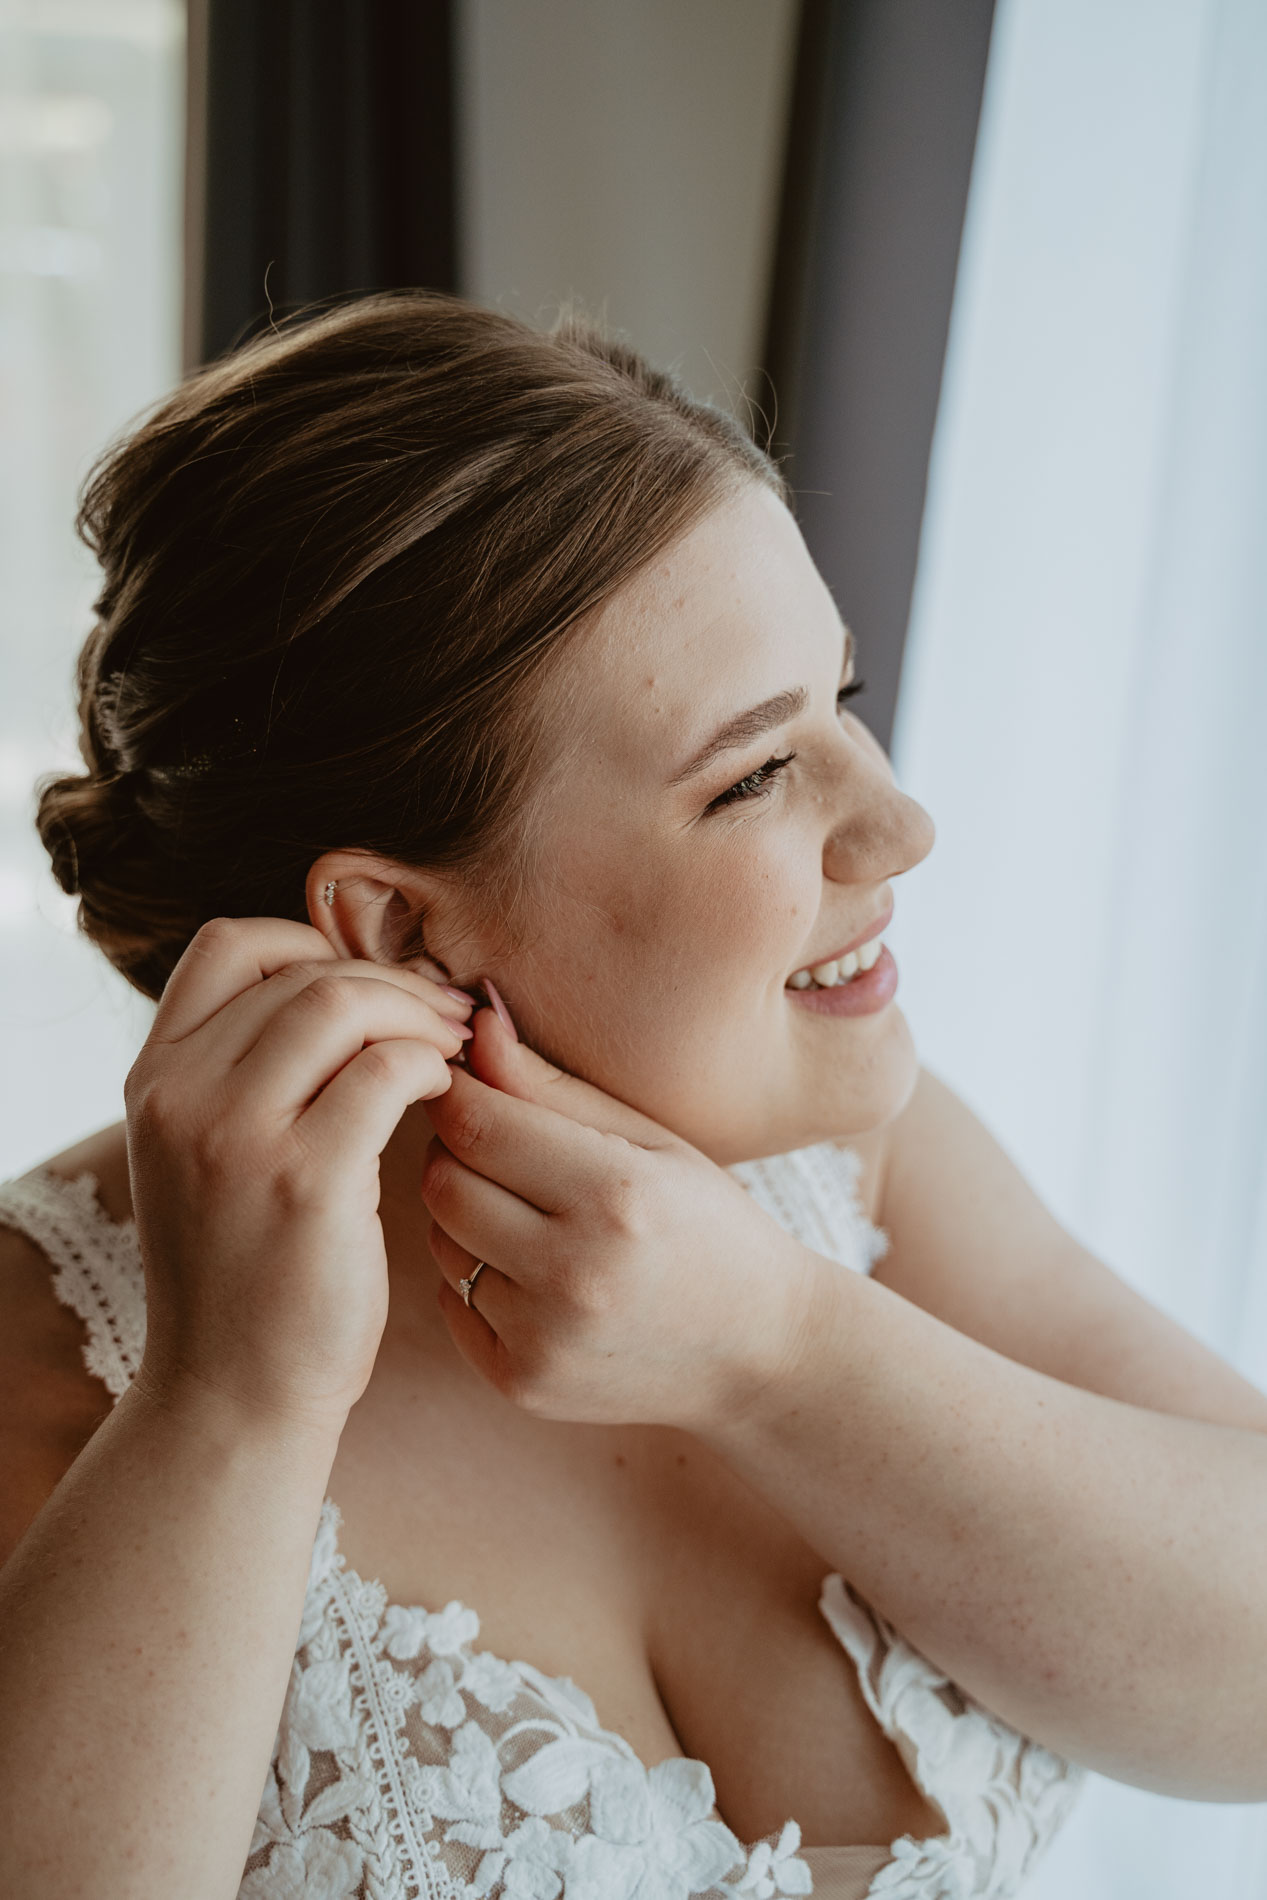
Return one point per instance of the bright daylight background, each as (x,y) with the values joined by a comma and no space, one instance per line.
(1084,955)
(1084,952)
(91,163)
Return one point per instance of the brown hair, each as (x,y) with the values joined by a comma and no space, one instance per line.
(340,565)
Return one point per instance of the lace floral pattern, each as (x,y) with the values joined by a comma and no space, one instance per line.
(813,1192)
(409,1762)
(1003,1796)
(411,1765)
(96,1267)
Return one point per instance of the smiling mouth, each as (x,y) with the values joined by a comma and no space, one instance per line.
(864,994)
(846,965)
(838,971)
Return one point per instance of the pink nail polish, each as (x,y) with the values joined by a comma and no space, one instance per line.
(459,996)
(464,1030)
(500,1007)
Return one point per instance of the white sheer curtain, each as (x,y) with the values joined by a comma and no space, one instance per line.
(1084,953)
(91,176)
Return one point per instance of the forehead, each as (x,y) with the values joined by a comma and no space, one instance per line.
(730,613)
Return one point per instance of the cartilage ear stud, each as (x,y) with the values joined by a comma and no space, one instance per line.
(330,891)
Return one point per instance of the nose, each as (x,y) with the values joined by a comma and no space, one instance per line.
(882,831)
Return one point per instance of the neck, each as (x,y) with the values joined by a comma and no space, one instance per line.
(412,1273)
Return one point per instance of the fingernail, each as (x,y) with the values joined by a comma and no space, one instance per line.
(462,1029)
(500,1007)
(459,996)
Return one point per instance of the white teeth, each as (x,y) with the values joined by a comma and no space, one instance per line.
(838,969)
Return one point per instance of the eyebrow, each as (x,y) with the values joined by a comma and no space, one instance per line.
(749,725)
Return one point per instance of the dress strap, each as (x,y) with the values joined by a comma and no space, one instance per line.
(814,1193)
(1003,1795)
(96,1264)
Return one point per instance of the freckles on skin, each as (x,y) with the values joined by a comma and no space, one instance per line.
(678,946)
(656,904)
(667,929)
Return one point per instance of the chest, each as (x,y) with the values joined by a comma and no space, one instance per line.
(634,1562)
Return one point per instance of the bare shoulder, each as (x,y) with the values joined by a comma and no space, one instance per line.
(972,1242)
(50,1405)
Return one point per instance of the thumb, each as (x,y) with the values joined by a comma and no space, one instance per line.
(496,1056)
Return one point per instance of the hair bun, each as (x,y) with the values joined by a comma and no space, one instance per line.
(343,570)
(104,851)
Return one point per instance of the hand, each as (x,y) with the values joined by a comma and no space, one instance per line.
(629,1278)
(267,1088)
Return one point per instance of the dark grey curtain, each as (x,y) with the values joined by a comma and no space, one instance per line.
(328,159)
(886,100)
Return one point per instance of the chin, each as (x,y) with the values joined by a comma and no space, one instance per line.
(898,1074)
(854,1099)
(872,1092)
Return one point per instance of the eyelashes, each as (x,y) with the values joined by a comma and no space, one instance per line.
(758,783)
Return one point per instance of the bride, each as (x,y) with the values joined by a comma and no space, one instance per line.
(592,1415)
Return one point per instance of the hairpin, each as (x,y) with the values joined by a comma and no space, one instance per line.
(202,764)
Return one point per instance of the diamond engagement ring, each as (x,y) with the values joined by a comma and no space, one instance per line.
(464,1286)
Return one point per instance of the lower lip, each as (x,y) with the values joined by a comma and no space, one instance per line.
(865,993)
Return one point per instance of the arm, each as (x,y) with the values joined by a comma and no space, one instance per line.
(1091,1569)
(972,1243)
(148,1618)
(1066,1512)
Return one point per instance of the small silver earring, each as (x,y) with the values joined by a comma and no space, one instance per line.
(330,891)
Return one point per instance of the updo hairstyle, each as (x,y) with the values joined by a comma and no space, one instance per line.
(340,566)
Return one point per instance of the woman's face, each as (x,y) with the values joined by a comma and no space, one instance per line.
(677,903)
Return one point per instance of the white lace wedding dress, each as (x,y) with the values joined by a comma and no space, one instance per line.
(410,1764)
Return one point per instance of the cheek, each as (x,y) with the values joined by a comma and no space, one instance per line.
(780,862)
(755,903)
(683,932)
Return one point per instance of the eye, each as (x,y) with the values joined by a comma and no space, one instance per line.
(757,784)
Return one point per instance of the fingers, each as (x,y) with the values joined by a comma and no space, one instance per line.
(474,1337)
(470,1211)
(477,1329)
(539,1153)
(230,956)
(517,1069)
(360,1108)
(326,989)
(493,1293)
(325,1024)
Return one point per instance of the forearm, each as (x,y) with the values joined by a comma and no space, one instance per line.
(1094,1573)
(147,1626)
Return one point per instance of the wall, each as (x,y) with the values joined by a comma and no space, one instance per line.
(631,154)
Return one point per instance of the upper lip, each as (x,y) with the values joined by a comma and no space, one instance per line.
(873,929)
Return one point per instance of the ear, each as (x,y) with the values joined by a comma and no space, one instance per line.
(370,907)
